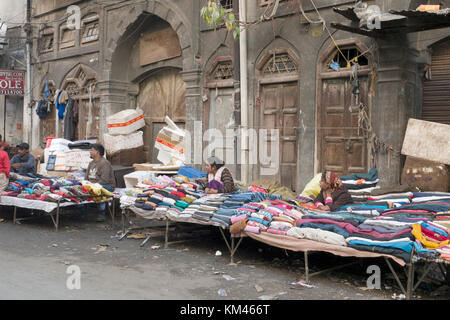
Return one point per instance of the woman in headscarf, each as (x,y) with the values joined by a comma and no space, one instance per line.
(220,179)
(333,194)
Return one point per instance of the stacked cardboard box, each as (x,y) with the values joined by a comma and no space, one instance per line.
(124,143)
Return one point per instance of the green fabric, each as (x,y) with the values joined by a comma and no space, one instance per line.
(370,176)
(182,204)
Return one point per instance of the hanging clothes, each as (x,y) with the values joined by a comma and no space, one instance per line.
(69,126)
(41,109)
(61,100)
(46,91)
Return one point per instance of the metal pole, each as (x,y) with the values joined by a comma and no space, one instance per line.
(27,112)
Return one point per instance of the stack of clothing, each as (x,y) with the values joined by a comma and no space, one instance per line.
(271,216)
(53,189)
(166,200)
(359,184)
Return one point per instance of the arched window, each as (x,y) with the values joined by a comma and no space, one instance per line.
(222,71)
(280,63)
(339,60)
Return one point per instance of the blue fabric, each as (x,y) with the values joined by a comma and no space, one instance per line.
(364,207)
(60,106)
(434,229)
(402,245)
(216,219)
(226,212)
(425,194)
(102,207)
(46,91)
(372,175)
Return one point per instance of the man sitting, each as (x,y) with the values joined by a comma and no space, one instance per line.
(23,162)
(100,171)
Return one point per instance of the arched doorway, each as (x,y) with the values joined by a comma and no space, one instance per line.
(340,147)
(160,95)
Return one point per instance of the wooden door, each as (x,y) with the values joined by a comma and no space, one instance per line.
(341,148)
(436,89)
(88,119)
(221,117)
(160,95)
(280,110)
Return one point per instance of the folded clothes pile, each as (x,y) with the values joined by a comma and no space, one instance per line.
(54,189)
(359,183)
(166,199)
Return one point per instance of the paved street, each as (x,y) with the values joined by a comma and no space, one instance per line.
(35,258)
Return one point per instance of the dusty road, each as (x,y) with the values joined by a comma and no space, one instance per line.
(34,260)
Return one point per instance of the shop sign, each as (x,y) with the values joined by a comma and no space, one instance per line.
(11,82)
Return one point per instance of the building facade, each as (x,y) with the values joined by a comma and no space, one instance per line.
(12,57)
(162,57)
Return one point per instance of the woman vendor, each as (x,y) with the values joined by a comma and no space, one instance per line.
(333,194)
(219,178)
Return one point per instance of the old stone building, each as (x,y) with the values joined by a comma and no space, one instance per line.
(162,57)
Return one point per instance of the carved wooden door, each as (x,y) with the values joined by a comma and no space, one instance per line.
(341,148)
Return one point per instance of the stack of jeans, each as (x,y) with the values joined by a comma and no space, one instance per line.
(237,200)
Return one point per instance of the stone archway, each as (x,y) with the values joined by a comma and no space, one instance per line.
(118,93)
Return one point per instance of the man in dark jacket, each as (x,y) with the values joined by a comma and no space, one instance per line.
(23,162)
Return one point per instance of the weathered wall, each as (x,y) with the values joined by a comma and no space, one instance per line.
(115,58)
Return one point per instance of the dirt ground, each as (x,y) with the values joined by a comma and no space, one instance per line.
(35,261)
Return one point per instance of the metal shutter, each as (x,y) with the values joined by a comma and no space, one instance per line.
(436,92)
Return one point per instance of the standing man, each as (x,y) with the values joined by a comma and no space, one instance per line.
(4,170)
(100,171)
(23,162)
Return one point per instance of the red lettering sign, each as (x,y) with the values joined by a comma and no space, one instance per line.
(11,82)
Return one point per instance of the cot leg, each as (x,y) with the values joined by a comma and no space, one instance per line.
(166,237)
(15,215)
(306,267)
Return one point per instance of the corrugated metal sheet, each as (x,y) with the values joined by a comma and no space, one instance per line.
(436,92)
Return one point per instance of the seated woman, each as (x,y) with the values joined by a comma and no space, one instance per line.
(220,179)
(333,194)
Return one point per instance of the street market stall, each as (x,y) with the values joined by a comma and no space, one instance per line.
(51,195)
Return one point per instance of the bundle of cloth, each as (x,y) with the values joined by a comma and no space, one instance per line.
(361,183)
(165,200)
(53,189)
(220,208)
(271,216)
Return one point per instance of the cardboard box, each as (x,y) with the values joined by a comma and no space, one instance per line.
(125,122)
(123,142)
(127,157)
(426,175)
(132,179)
(170,143)
(427,140)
